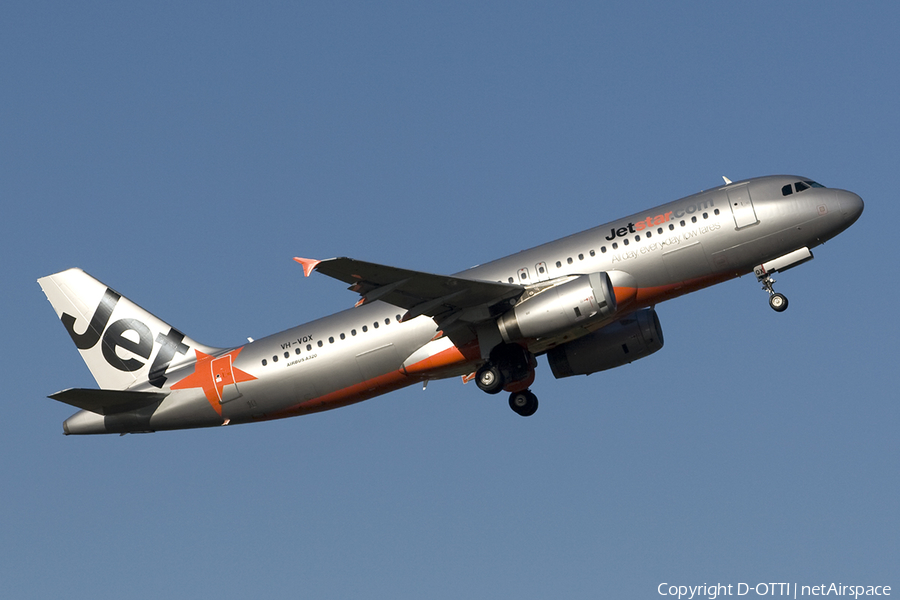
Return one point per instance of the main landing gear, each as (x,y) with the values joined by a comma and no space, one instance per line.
(510,368)
(523,403)
(778,302)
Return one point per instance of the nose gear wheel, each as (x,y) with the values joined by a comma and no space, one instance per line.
(777,301)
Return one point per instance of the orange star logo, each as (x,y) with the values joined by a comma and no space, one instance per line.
(212,374)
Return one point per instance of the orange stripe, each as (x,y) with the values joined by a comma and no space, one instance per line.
(444,358)
(648,296)
(348,395)
(624,295)
(395,380)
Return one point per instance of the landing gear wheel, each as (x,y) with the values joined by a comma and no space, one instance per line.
(778,302)
(524,403)
(489,379)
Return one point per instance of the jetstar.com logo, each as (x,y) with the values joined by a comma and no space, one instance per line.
(657,220)
(114,337)
(639,226)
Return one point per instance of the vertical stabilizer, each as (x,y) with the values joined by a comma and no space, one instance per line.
(123,345)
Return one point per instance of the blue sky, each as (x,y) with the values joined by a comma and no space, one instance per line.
(183,153)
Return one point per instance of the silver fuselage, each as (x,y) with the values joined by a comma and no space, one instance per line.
(661,253)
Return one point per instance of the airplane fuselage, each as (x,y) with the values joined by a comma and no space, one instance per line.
(651,256)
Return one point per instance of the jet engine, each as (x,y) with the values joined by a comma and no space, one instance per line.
(636,336)
(559,308)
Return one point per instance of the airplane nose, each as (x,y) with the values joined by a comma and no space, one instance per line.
(851,206)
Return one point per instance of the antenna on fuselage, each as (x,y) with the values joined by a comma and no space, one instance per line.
(727,181)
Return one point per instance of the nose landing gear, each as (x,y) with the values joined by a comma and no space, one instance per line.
(777,301)
(763,272)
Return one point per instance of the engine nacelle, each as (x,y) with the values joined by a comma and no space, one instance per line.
(560,308)
(636,336)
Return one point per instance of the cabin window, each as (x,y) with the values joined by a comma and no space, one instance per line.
(330,339)
(375,324)
(541,270)
(602,249)
(297,351)
(319,343)
(275,358)
(581,257)
(398,318)
(682,223)
(343,337)
(671,227)
(387,321)
(265,362)
(705,215)
(287,354)
(716,212)
(593,253)
(352,332)
(365,328)
(693,219)
(637,238)
(625,241)
(558,264)
(569,260)
(615,245)
(649,235)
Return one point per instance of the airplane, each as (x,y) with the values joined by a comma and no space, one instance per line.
(586,302)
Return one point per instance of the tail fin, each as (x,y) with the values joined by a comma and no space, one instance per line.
(122,344)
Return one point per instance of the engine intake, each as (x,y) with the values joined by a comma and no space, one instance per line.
(636,336)
(560,308)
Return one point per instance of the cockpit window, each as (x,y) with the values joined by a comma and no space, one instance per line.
(800,186)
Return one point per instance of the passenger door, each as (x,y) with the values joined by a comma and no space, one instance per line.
(741,207)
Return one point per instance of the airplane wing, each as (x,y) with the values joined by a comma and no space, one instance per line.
(445,299)
(108,402)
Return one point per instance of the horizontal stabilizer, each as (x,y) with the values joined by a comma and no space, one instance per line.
(108,402)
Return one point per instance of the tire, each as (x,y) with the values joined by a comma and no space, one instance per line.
(524,403)
(778,302)
(488,379)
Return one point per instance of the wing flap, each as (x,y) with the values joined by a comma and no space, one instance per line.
(108,402)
